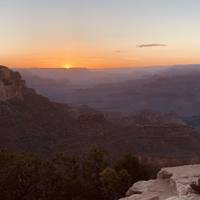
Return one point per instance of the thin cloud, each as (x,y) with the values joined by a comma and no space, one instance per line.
(151,45)
(120,51)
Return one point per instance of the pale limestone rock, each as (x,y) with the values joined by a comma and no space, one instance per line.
(186,197)
(172,183)
(158,187)
(164,174)
(141,187)
(186,171)
(182,177)
(145,196)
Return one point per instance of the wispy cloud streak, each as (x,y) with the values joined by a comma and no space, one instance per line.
(151,45)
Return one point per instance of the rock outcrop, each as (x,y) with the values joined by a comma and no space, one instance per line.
(11,84)
(172,183)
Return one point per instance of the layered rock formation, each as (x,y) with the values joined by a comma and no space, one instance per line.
(11,84)
(40,126)
(171,184)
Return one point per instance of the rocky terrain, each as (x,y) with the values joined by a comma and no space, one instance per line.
(171,184)
(173,89)
(162,93)
(11,84)
(30,122)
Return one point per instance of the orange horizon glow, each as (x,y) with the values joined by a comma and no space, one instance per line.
(95,66)
(97,62)
(93,56)
(99,34)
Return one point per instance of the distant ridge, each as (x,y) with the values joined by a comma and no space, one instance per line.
(122,67)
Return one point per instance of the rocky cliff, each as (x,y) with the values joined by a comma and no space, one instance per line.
(171,184)
(11,84)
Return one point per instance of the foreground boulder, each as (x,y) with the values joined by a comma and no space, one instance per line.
(172,183)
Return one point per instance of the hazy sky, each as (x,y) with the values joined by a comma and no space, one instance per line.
(99,33)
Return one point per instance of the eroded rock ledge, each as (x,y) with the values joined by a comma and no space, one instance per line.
(172,183)
(11,84)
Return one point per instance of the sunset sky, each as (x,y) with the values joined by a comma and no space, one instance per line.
(99,33)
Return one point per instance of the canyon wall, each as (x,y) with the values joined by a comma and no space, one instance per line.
(11,84)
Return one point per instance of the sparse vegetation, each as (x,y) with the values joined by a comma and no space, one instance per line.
(27,177)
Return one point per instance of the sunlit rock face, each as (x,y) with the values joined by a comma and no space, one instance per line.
(11,84)
(172,183)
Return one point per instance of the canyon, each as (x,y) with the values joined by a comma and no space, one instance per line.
(32,123)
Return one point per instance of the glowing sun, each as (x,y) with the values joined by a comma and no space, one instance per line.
(67,67)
